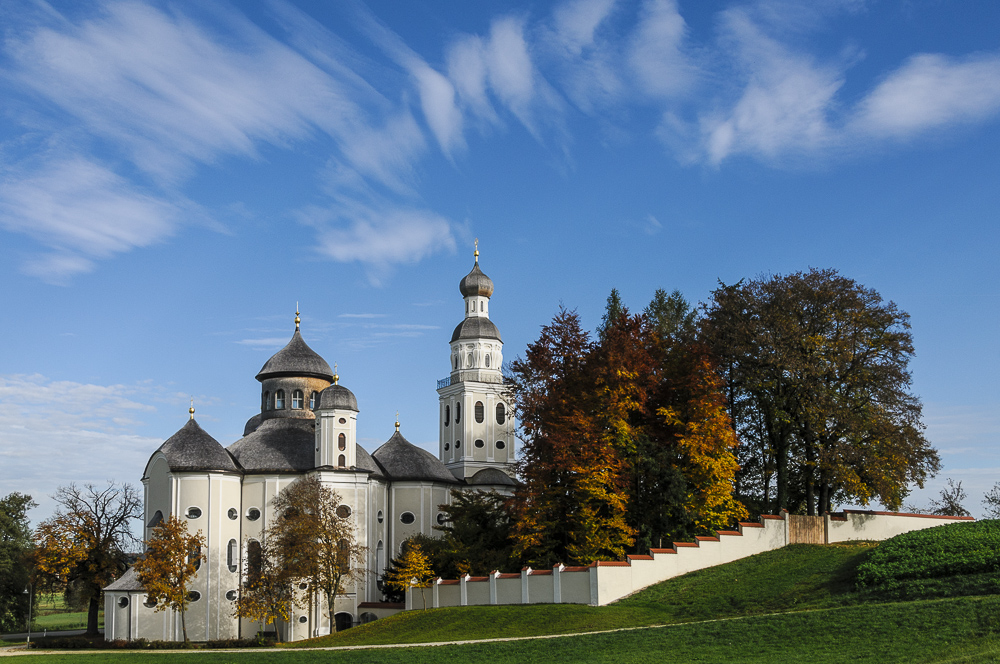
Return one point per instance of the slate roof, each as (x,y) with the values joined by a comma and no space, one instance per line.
(476,283)
(366,462)
(278,445)
(476,328)
(192,449)
(492,476)
(296,359)
(402,460)
(128,581)
(252,424)
(337,396)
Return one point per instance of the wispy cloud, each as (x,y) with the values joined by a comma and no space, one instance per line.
(264,343)
(361,316)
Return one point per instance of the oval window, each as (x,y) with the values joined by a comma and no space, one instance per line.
(407,518)
(501,413)
(233,514)
(480,444)
(447,415)
(253,514)
(149,603)
(380,516)
(122,602)
(194,513)
(342,421)
(458,445)
(231,595)
(343,511)
(480,412)
(447,446)
(458,413)
(500,445)
(442,518)
(194,596)
(303,619)
(303,586)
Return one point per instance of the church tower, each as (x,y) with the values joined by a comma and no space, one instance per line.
(477,430)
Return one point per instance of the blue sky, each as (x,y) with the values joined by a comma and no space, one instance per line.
(177,176)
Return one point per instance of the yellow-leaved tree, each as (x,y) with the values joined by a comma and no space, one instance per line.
(173,556)
(266,595)
(412,569)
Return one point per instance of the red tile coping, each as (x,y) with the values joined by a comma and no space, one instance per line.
(730,532)
(449,582)
(576,569)
(479,578)
(680,544)
(750,524)
(382,605)
(609,563)
(639,557)
(838,518)
(541,572)
(662,551)
(922,516)
(510,575)
(771,516)
(706,539)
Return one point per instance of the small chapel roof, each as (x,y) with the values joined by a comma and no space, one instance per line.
(277,445)
(337,397)
(402,460)
(493,477)
(296,359)
(192,449)
(476,328)
(129,581)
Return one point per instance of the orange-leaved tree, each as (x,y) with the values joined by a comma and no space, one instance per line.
(173,556)
(267,594)
(412,569)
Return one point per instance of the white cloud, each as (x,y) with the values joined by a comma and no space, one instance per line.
(931,91)
(576,21)
(467,69)
(588,63)
(510,70)
(655,52)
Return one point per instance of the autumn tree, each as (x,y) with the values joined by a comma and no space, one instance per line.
(476,536)
(818,387)
(86,541)
(173,556)
(266,594)
(15,553)
(412,569)
(313,540)
(950,500)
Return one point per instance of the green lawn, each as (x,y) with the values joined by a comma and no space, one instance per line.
(52,613)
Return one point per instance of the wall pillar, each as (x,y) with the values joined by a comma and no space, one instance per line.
(525,573)
(435,598)
(557,583)
(463,590)
(592,573)
(493,586)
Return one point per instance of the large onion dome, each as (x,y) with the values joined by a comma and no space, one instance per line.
(192,449)
(475,283)
(298,360)
(402,460)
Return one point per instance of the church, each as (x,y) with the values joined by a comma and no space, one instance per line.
(307,426)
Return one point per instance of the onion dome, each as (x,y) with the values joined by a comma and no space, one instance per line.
(297,360)
(476,328)
(402,460)
(278,445)
(192,449)
(476,283)
(337,397)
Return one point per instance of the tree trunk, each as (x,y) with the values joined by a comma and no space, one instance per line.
(92,609)
(330,599)
(184,629)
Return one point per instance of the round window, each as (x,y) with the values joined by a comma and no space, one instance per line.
(194,513)
(343,511)
(303,619)
(253,514)
(303,586)
(343,421)
(380,516)
(442,518)
(480,444)
(501,445)
(231,595)
(407,518)
(233,513)
(149,603)
(122,602)
(458,445)
(194,596)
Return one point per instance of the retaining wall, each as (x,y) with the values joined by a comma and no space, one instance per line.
(604,582)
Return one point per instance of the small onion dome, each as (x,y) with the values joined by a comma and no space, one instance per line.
(492,476)
(192,449)
(337,397)
(476,283)
(476,328)
(296,359)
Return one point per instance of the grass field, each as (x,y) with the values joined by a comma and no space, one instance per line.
(53,614)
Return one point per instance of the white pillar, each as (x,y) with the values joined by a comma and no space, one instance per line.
(525,573)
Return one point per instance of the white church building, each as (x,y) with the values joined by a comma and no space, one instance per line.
(307,426)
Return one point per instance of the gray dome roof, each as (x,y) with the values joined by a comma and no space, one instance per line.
(296,359)
(129,581)
(252,424)
(492,476)
(476,328)
(279,445)
(192,449)
(366,462)
(476,283)
(337,396)
(402,460)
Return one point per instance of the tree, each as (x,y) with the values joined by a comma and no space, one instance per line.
(313,540)
(411,569)
(86,540)
(818,380)
(15,570)
(173,556)
(949,502)
(476,536)
(991,501)
(266,594)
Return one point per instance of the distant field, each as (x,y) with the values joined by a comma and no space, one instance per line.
(52,613)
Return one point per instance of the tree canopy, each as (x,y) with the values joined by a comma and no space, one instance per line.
(15,569)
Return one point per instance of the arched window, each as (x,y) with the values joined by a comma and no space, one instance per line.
(487,359)
(454,362)
(313,400)
(156,520)
(501,413)
(447,415)
(195,557)
(470,360)
(473,306)
(279,400)
(254,561)
(379,558)
(297,400)
(232,555)
(480,412)
(341,461)
(458,413)
(458,445)
(265,403)
(341,442)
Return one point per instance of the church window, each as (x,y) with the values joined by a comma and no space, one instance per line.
(458,413)
(303,619)
(265,403)
(341,461)
(231,595)
(480,444)
(470,360)
(156,520)
(407,518)
(458,445)
(195,557)
(343,511)
(342,421)
(254,561)
(501,413)
(447,446)
(442,518)
(232,555)
(193,512)
(253,514)
(380,516)
(480,412)
(194,596)
(279,400)
(487,360)
(313,400)
(122,602)
(297,400)
(447,415)
(150,602)
(341,442)
(233,514)
(501,445)
(473,306)
(368,617)
(303,586)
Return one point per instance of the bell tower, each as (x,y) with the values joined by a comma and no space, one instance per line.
(477,429)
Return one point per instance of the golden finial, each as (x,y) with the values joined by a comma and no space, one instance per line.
(297,320)
(335,376)
(191,409)
(477,249)
(397,420)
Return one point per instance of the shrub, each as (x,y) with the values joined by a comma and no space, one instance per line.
(247,642)
(942,551)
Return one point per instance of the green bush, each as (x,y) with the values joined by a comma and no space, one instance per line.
(247,642)
(943,551)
